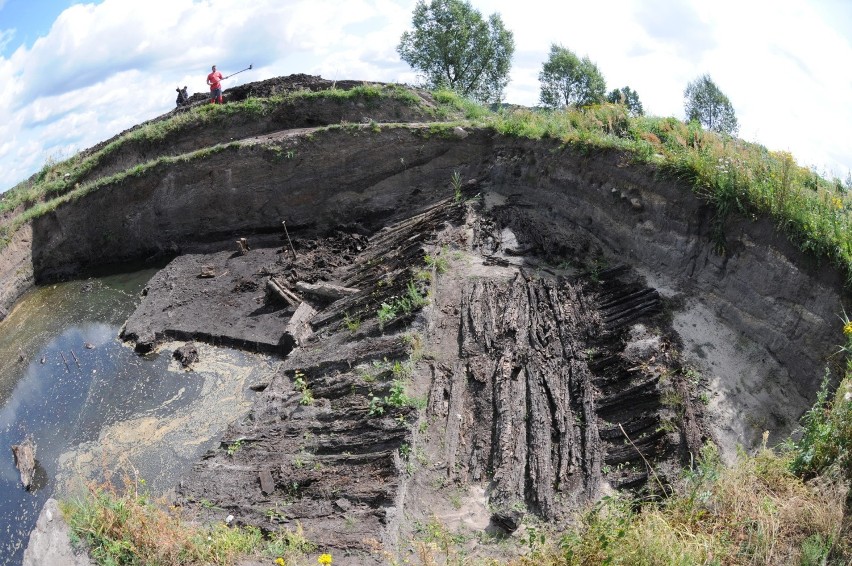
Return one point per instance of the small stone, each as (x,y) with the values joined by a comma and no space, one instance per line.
(267,484)
(460,132)
(186,354)
(343,504)
(229,518)
(636,204)
(89,346)
(207,272)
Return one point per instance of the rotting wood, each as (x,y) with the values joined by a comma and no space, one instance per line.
(298,327)
(326,290)
(243,246)
(25,461)
(283,292)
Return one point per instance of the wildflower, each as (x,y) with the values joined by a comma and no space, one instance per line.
(837,202)
(280,561)
(847,328)
(324,559)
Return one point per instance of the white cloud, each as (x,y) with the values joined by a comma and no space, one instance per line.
(103,68)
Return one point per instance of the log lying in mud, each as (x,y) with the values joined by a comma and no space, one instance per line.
(282,292)
(325,290)
(298,327)
(25,461)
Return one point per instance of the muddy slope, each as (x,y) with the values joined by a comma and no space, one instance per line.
(757,322)
(580,326)
(521,386)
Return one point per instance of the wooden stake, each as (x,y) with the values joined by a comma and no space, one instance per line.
(284,223)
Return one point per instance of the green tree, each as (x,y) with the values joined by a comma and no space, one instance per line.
(452,46)
(567,80)
(629,97)
(704,102)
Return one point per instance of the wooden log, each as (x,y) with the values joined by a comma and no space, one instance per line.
(25,461)
(242,246)
(326,290)
(298,328)
(283,292)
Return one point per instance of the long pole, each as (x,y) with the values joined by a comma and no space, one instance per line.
(238,72)
(284,223)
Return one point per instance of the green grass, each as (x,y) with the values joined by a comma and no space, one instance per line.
(128,527)
(59,177)
(734,175)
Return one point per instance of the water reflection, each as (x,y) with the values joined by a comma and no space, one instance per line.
(85,399)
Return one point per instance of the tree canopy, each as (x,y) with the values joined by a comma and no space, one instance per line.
(629,97)
(704,102)
(452,46)
(567,80)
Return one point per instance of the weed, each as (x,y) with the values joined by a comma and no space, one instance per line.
(396,398)
(437,262)
(128,527)
(386,313)
(352,324)
(234,447)
(301,384)
(456,181)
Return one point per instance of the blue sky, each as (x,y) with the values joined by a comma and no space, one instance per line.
(76,73)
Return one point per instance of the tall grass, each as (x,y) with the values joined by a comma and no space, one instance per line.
(734,175)
(128,527)
(58,177)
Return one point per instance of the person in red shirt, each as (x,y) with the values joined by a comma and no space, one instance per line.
(214,79)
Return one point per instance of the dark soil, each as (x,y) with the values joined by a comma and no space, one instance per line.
(543,389)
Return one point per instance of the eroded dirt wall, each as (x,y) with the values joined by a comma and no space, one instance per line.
(313,182)
(759,321)
(16,269)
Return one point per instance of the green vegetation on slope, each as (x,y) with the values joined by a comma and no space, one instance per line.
(59,177)
(734,175)
(126,527)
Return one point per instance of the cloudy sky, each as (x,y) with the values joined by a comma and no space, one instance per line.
(76,73)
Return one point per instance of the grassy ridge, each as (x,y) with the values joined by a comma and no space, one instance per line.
(732,174)
(59,177)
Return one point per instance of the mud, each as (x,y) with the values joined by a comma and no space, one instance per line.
(529,390)
(582,334)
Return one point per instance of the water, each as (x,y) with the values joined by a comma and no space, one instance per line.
(91,405)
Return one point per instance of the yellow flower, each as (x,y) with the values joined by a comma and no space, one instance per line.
(324,559)
(280,561)
(847,328)
(837,202)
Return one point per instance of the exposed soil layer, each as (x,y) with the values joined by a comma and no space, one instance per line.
(578,309)
(552,375)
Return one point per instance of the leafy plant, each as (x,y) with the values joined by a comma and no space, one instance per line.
(457,185)
(128,527)
(301,384)
(352,324)
(234,447)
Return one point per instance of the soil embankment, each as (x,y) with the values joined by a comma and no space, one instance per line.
(579,322)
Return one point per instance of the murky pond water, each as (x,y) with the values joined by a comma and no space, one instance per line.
(93,407)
